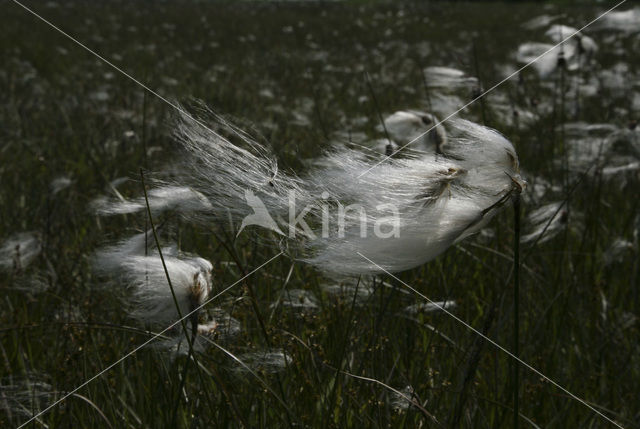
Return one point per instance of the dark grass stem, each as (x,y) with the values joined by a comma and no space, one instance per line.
(341,356)
(191,354)
(425,83)
(516,308)
(256,309)
(480,89)
(389,148)
(144,164)
(473,361)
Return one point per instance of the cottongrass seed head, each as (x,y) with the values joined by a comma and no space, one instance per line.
(144,278)
(415,207)
(19,251)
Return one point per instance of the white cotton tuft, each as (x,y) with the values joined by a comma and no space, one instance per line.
(163,198)
(546,222)
(617,250)
(539,22)
(224,172)
(449,89)
(145,279)
(627,21)
(350,214)
(448,78)
(19,250)
(145,276)
(414,127)
(415,207)
(584,45)
(604,146)
(60,184)
(545,65)
(575,53)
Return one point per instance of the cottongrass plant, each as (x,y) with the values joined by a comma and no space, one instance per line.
(422,129)
(436,200)
(627,21)
(449,89)
(546,222)
(574,54)
(143,277)
(19,250)
(161,198)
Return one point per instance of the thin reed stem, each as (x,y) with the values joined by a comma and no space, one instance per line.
(341,357)
(480,90)
(516,308)
(254,304)
(389,148)
(194,320)
(425,83)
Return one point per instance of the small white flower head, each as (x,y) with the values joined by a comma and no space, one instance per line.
(19,250)
(617,250)
(163,198)
(627,21)
(583,45)
(144,277)
(60,184)
(587,144)
(540,22)
(412,126)
(439,200)
(449,89)
(545,65)
(574,54)
(546,222)
(448,78)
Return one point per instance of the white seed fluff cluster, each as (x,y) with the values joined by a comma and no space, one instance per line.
(415,207)
(162,198)
(19,250)
(416,129)
(144,277)
(576,53)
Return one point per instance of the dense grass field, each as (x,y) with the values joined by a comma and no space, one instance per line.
(315,352)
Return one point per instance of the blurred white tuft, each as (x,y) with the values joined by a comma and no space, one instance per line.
(19,250)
